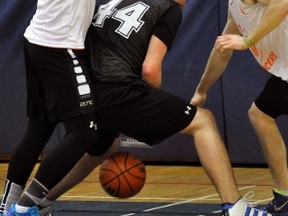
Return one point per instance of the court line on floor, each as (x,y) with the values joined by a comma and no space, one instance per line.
(139,198)
(113,198)
(185,201)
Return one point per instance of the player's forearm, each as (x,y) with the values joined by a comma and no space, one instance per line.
(215,67)
(276,11)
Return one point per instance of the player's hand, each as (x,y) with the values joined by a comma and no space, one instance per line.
(229,41)
(198,99)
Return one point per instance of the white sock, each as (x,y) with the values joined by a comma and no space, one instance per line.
(21,209)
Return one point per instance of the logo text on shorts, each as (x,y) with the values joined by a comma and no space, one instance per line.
(86,103)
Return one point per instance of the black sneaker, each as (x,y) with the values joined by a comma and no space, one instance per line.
(278,206)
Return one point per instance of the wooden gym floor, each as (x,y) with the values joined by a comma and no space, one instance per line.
(174,185)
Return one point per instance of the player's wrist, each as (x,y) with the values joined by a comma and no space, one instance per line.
(247,41)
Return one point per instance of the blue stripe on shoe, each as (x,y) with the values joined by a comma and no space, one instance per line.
(255,213)
(227,206)
(247,211)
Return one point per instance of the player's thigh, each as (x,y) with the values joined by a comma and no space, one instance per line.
(151,118)
(273,100)
(64,75)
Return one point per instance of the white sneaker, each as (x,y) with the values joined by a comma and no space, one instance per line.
(242,208)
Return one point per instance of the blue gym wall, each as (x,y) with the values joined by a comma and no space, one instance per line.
(229,99)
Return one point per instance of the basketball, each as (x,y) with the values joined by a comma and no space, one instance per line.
(122,175)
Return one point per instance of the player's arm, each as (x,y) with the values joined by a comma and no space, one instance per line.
(275,12)
(216,64)
(161,40)
(152,65)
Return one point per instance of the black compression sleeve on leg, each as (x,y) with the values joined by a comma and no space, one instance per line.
(105,140)
(78,138)
(26,154)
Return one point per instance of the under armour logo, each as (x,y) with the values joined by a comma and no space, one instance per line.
(187,112)
(93,125)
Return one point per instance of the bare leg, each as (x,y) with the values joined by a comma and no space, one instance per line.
(79,172)
(213,155)
(272,144)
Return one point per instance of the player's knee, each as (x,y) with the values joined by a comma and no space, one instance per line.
(203,118)
(259,118)
(103,144)
(100,147)
(206,117)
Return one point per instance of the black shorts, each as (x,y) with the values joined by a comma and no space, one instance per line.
(58,82)
(273,99)
(149,115)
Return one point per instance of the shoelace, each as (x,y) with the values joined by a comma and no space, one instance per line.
(246,198)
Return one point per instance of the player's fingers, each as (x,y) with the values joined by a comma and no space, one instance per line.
(223,44)
(219,46)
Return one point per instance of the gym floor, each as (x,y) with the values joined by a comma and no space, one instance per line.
(169,190)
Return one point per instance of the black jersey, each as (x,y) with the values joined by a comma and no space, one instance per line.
(120,33)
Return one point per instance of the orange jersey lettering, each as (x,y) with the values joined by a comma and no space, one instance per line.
(270,61)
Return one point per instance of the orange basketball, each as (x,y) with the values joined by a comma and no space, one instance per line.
(122,175)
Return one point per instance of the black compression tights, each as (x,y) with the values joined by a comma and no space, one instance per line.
(26,154)
(78,138)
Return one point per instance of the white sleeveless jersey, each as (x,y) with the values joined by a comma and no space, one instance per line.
(60,23)
(271,51)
